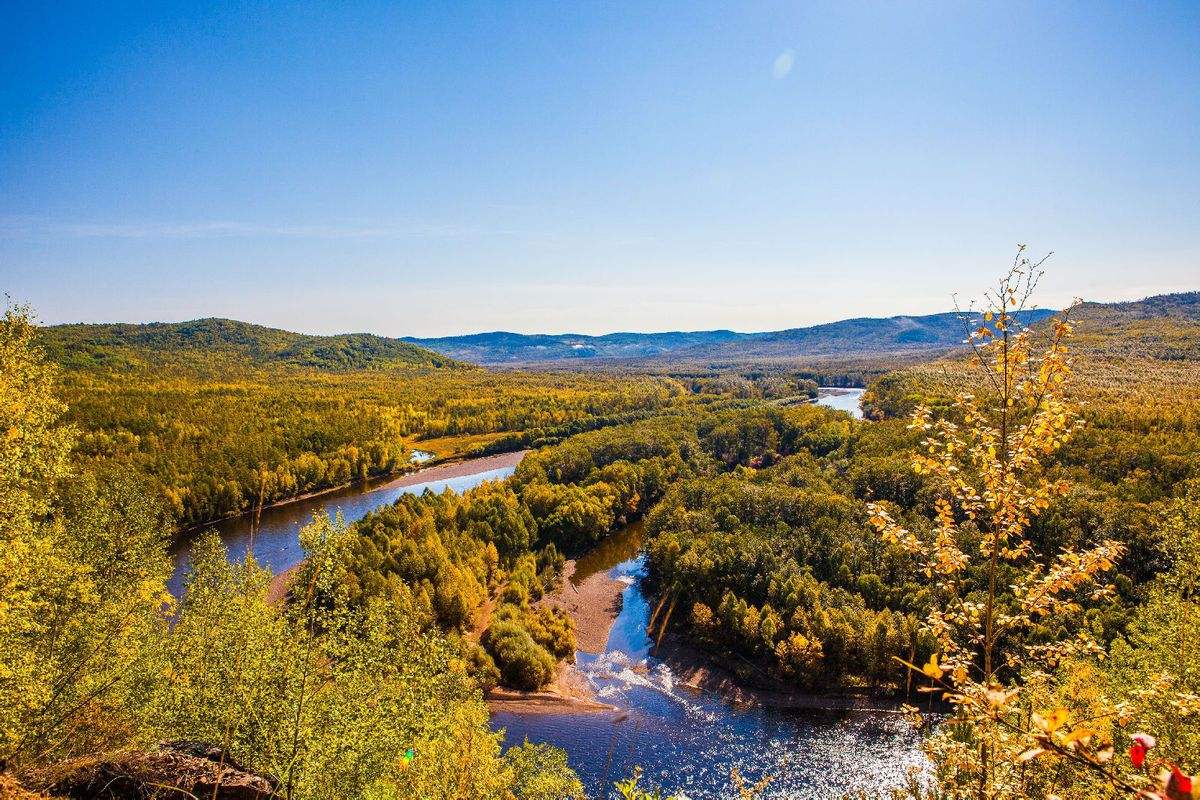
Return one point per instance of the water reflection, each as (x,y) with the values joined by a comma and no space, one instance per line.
(275,542)
(611,552)
(685,739)
(849,400)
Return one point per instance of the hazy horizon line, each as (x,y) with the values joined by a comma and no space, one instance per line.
(663,332)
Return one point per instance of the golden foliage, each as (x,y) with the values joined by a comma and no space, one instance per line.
(986,453)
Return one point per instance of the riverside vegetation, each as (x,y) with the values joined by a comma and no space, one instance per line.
(1034,568)
(92,665)
(222,416)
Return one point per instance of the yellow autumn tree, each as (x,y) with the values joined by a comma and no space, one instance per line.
(81,575)
(998,598)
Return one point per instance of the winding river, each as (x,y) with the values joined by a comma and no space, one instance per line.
(689,740)
(684,739)
(275,541)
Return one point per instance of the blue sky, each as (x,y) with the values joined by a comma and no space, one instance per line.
(442,168)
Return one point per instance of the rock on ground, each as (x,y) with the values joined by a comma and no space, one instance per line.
(174,771)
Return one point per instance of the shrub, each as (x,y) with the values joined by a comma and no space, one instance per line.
(482,668)
(522,662)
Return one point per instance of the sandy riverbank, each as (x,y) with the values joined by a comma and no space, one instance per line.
(593,604)
(278,589)
(454,469)
(570,693)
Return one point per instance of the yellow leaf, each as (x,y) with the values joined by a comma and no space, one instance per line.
(1078,735)
(1052,721)
(932,669)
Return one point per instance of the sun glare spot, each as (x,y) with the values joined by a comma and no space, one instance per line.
(783,64)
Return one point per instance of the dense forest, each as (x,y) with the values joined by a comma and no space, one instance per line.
(764,544)
(1139,449)
(1013,530)
(221,415)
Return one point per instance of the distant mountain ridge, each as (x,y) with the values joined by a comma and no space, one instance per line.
(499,347)
(194,343)
(1181,305)
(864,335)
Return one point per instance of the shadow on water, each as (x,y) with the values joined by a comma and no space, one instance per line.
(688,740)
(612,551)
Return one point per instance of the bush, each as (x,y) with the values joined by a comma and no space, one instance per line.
(482,668)
(523,663)
(553,629)
(541,772)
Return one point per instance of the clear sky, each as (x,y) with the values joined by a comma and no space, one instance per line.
(438,168)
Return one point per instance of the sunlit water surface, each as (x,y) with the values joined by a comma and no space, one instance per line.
(849,400)
(275,540)
(687,740)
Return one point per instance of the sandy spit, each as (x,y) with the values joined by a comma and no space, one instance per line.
(568,694)
(594,605)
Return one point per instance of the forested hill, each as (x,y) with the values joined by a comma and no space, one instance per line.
(500,347)
(1132,360)
(863,336)
(1180,306)
(224,342)
(1165,327)
(217,416)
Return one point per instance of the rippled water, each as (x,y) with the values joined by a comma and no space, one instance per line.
(688,740)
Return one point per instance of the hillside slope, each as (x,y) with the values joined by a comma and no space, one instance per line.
(502,347)
(209,342)
(1165,327)
(216,416)
(862,336)
(1130,359)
